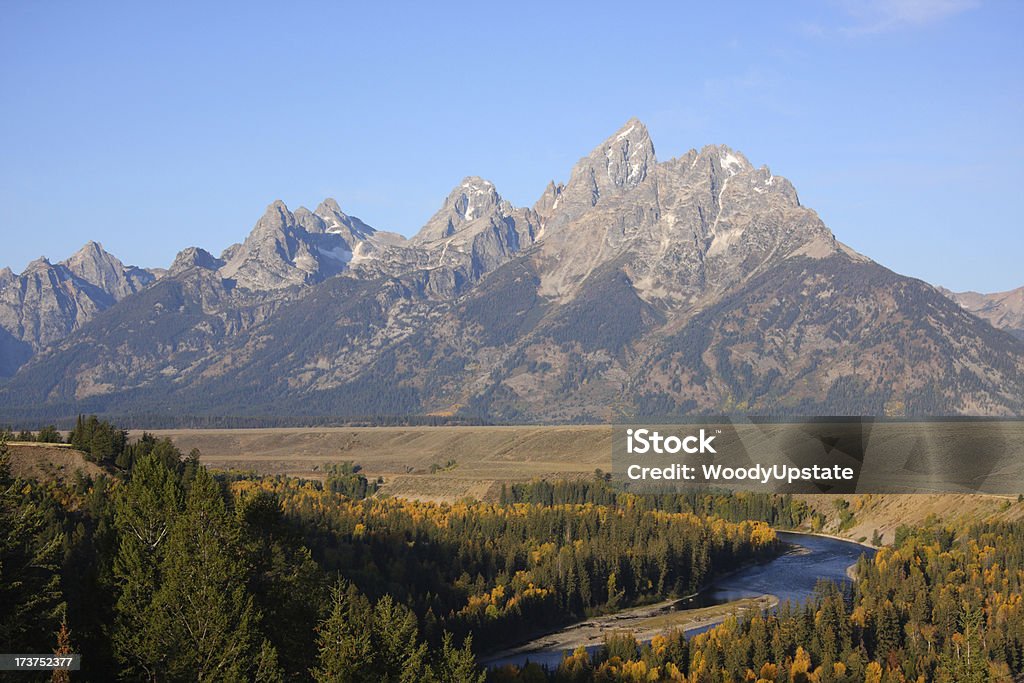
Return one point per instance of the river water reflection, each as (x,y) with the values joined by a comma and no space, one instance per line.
(790,576)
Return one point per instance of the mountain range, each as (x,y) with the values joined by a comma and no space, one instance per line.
(1004,310)
(696,285)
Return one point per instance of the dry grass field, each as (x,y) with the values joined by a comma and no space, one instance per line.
(483,456)
(487,456)
(45,461)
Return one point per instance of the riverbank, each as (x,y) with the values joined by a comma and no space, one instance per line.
(851,571)
(643,622)
(631,619)
(790,576)
(864,544)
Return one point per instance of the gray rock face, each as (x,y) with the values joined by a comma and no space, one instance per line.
(288,249)
(1004,310)
(696,284)
(277,253)
(686,227)
(475,230)
(194,257)
(49,301)
(98,267)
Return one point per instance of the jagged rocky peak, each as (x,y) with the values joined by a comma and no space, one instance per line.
(49,300)
(628,155)
(194,257)
(338,222)
(329,210)
(615,169)
(717,164)
(725,159)
(548,201)
(36,265)
(309,221)
(471,200)
(275,218)
(704,220)
(272,256)
(621,162)
(286,249)
(475,230)
(99,267)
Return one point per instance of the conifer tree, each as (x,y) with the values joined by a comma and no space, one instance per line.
(268,670)
(143,517)
(398,656)
(344,638)
(30,546)
(283,578)
(203,617)
(458,665)
(49,434)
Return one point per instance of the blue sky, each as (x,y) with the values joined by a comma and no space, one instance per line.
(150,127)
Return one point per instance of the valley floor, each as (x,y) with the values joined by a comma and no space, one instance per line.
(446,464)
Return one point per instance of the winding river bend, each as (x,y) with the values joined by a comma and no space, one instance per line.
(790,576)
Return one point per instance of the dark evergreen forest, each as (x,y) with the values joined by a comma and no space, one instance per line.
(159,570)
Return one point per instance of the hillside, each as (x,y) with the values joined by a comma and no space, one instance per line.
(696,285)
(1005,310)
(49,461)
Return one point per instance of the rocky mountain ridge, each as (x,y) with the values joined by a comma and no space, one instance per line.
(48,301)
(1004,310)
(699,284)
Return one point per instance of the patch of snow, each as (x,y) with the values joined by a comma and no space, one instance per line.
(337,253)
(721,193)
(334,227)
(624,134)
(731,163)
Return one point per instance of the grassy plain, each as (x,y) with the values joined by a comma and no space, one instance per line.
(413,463)
(484,457)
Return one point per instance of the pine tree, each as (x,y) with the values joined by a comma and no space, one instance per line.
(344,638)
(458,665)
(78,437)
(30,546)
(284,579)
(143,517)
(268,670)
(49,434)
(966,661)
(192,466)
(203,617)
(398,657)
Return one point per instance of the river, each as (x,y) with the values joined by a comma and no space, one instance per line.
(789,576)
